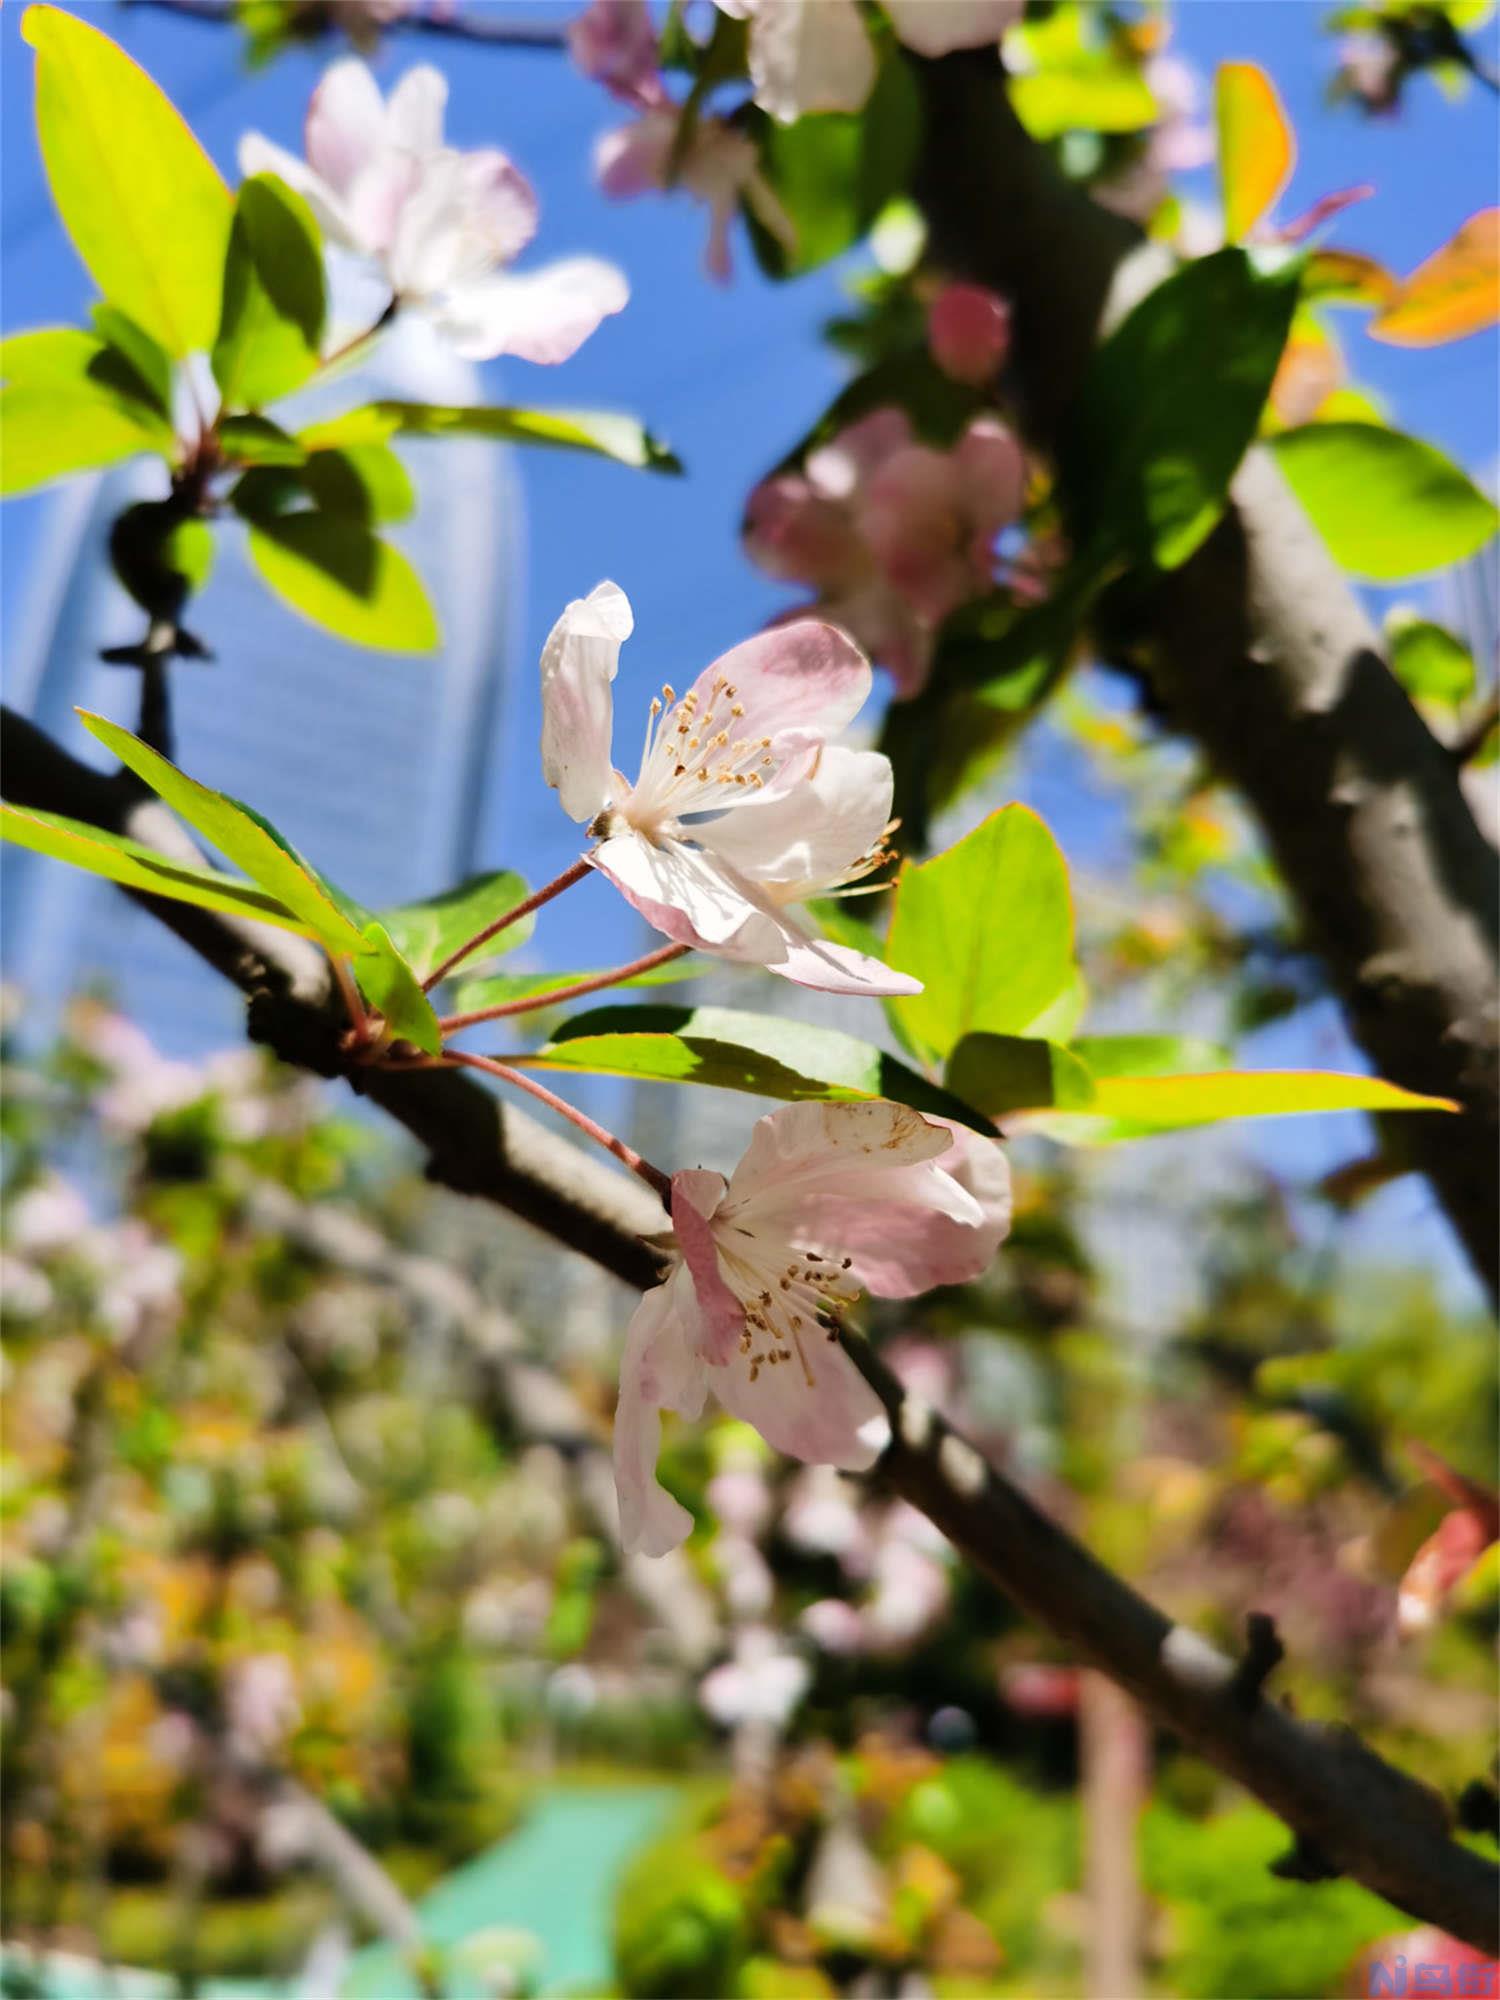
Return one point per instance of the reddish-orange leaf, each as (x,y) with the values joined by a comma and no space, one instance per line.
(1457,290)
(1347,277)
(1256,148)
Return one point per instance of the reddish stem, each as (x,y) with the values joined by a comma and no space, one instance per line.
(627,1155)
(545,894)
(354,1006)
(529,1002)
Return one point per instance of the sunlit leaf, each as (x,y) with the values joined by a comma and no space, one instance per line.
(391,986)
(134,866)
(761,1053)
(149,362)
(240,834)
(601,432)
(255,440)
(1076,77)
(338,575)
(1456,292)
(1006,1073)
(1134,1107)
(1387,505)
(365,481)
(987,926)
(275,298)
(71,403)
(145,206)
(427,932)
(1256,147)
(1430,663)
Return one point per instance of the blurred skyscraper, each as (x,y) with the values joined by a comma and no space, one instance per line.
(375,764)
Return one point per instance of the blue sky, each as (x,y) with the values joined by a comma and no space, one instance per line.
(732,375)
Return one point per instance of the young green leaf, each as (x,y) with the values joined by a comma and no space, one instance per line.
(1170,403)
(336,574)
(1135,1107)
(239,833)
(987,927)
(1388,506)
(275,299)
(1430,663)
(391,986)
(145,206)
(760,1053)
(602,432)
(365,481)
(429,931)
(149,362)
(71,404)
(134,866)
(254,440)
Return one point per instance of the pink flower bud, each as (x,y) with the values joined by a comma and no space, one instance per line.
(968,333)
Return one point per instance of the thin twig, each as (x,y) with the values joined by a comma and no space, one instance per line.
(627,1155)
(535,901)
(529,1003)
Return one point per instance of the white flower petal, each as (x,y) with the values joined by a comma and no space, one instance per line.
(580,659)
(346,123)
(815,1406)
(809,55)
(414,111)
(687,895)
(660,1370)
(812,835)
(542,316)
(936,27)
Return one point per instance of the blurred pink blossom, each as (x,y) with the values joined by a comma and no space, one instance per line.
(893,534)
(763,1683)
(968,332)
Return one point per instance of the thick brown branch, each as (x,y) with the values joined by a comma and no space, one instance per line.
(1264,654)
(1367,1819)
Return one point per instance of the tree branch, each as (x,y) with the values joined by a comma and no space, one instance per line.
(1264,655)
(1369,1820)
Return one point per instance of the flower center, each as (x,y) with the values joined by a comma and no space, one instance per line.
(694,753)
(784,1303)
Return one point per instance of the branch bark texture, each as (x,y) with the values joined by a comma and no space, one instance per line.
(1357,1814)
(1264,655)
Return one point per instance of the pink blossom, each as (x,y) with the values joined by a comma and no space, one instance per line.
(614,42)
(441,224)
(1368,70)
(893,534)
(719,165)
(833,1626)
(765,1264)
(968,332)
(49,1216)
(1451,1550)
(741,808)
(815,55)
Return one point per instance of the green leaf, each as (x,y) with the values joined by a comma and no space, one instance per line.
(1004,1073)
(987,926)
(602,432)
(1135,1107)
(255,440)
(336,574)
(160,555)
(429,931)
(275,299)
(366,481)
(503,987)
(142,201)
(1430,663)
(1148,1055)
(239,833)
(71,404)
(148,360)
(833,172)
(394,989)
(760,1053)
(134,866)
(49,436)
(1388,506)
(1092,95)
(1170,403)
